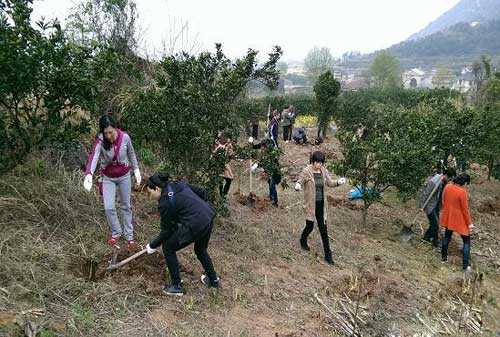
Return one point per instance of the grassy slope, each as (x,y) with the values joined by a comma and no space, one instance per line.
(268,283)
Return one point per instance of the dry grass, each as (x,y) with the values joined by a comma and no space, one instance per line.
(52,229)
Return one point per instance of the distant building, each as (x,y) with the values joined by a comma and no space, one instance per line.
(465,81)
(414,78)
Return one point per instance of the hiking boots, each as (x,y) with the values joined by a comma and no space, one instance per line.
(173,290)
(211,284)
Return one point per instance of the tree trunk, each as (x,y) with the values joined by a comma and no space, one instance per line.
(365,213)
(490,167)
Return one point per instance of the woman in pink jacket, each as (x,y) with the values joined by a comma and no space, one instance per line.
(113,148)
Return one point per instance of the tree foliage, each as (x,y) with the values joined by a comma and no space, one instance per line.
(45,82)
(318,61)
(109,27)
(385,71)
(393,138)
(488,127)
(326,90)
(190,100)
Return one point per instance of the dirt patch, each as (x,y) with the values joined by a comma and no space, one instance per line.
(491,206)
(253,201)
(151,268)
(340,202)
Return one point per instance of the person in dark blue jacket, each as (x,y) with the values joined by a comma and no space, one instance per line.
(186,217)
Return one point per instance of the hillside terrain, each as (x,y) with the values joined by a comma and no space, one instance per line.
(460,40)
(466,11)
(53,258)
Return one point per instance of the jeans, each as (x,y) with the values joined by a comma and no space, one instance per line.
(273,191)
(109,186)
(466,250)
(432,232)
(320,217)
(171,246)
(224,187)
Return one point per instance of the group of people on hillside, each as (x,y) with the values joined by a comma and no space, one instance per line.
(444,200)
(286,119)
(187,216)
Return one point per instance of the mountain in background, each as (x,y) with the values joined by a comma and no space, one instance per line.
(460,40)
(467,11)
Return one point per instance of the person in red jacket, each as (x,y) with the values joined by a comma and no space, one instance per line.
(455,216)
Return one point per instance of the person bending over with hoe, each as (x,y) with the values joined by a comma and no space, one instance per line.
(186,218)
(314,178)
(455,217)
(114,149)
(430,199)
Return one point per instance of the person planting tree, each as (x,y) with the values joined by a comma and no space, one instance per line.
(455,217)
(314,178)
(186,218)
(113,148)
(224,146)
(430,200)
(269,162)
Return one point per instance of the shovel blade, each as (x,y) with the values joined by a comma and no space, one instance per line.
(406,233)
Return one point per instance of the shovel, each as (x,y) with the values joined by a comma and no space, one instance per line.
(407,232)
(115,265)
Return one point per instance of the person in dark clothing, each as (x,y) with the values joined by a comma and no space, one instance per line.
(269,162)
(186,217)
(299,136)
(273,128)
(431,193)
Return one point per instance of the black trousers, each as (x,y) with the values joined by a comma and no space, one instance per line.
(171,246)
(320,217)
(224,186)
(432,232)
(255,130)
(287,132)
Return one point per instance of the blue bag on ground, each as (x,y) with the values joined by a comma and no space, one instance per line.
(357,193)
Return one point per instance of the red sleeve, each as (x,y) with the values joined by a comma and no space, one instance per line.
(464,203)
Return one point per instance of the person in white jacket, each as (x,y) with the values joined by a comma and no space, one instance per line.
(113,148)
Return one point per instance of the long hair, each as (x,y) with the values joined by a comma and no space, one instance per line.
(104,122)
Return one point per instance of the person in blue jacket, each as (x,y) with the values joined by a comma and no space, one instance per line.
(186,218)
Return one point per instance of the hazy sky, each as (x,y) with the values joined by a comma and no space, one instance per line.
(297,26)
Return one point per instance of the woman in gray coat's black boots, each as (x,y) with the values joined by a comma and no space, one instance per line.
(186,218)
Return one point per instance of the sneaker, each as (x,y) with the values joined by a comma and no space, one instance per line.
(304,245)
(445,260)
(173,290)
(468,269)
(113,240)
(206,281)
